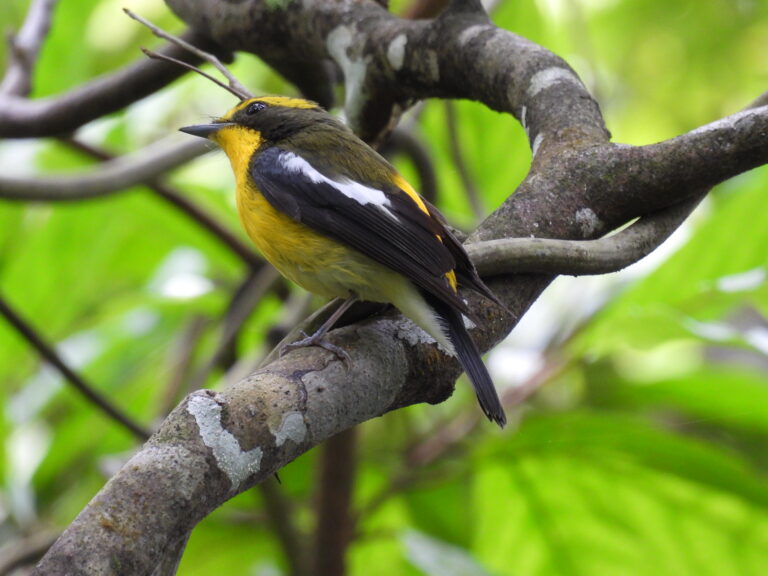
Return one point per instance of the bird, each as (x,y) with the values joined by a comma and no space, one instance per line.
(335,217)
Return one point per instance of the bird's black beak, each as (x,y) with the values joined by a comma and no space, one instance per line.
(205,130)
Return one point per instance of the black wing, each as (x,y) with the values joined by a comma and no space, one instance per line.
(380,221)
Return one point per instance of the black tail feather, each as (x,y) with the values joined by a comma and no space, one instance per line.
(469,357)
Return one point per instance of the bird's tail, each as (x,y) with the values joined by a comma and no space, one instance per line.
(469,357)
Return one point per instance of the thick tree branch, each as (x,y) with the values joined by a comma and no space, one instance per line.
(59,115)
(388,62)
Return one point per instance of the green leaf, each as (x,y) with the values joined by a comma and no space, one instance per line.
(590,494)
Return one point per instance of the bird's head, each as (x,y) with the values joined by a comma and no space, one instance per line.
(259,121)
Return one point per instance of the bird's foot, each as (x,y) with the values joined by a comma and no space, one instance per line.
(318,339)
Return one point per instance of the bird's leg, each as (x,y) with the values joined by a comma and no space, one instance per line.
(318,337)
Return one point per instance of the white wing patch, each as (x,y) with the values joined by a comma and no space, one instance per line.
(353,190)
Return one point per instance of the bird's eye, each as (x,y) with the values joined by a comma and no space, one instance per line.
(254,107)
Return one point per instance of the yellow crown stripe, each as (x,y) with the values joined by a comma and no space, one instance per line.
(283,101)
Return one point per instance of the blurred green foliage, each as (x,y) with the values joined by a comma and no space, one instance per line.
(645,452)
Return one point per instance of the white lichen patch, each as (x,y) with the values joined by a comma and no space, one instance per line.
(341,46)
(536,143)
(292,427)
(235,462)
(396,51)
(550,77)
(469,34)
(409,332)
(523,114)
(588,222)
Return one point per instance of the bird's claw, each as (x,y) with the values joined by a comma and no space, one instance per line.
(317,340)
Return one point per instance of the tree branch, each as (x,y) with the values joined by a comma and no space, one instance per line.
(250,292)
(110,177)
(580,258)
(388,62)
(59,115)
(183,204)
(24,48)
(457,156)
(50,355)
(234,85)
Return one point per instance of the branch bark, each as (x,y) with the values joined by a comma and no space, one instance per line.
(60,115)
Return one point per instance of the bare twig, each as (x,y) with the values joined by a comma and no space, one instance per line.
(157,56)
(334,520)
(185,205)
(111,177)
(181,357)
(454,431)
(457,156)
(235,87)
(25,46)
(75,380)
(246,297)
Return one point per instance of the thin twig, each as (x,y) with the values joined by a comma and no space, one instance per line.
(111,177)
(25,46)
(78,382)
(455,430)
(235,87)
(245,299)
(457,156)
(184,204)
(181,358)
(158,56)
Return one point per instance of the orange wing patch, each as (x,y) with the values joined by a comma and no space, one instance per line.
(405,186)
